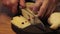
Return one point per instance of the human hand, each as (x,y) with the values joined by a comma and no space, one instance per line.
(9,2)
(12,4)
(44,7)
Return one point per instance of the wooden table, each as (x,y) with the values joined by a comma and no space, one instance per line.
(5,28)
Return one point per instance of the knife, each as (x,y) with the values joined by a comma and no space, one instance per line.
(36,20)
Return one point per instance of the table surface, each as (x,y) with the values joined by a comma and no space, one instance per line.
(5,28)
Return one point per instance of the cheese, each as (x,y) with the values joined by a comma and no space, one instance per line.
(20,22)
(54,20)
(28,4)
(28,15)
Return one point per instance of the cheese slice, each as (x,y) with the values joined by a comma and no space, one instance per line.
(28,15)
(54,20)
(20,22)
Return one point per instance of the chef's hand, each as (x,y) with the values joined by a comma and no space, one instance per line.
(9,3)
(12,4)
(22,4)
(44,7)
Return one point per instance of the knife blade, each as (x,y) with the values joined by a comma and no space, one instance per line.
(36,20)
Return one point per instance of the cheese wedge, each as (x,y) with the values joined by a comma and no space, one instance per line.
(54,20)
(20,22)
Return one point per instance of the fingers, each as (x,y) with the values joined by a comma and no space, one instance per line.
(14,6)
(35,7)
(14,9)
(5,2)
(9,2)
(13,1)
(22,4)
(51,8)
(43,8)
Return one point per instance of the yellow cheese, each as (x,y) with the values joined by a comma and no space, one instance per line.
(54,20)
(28,15)
(28,4)
(20,22)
